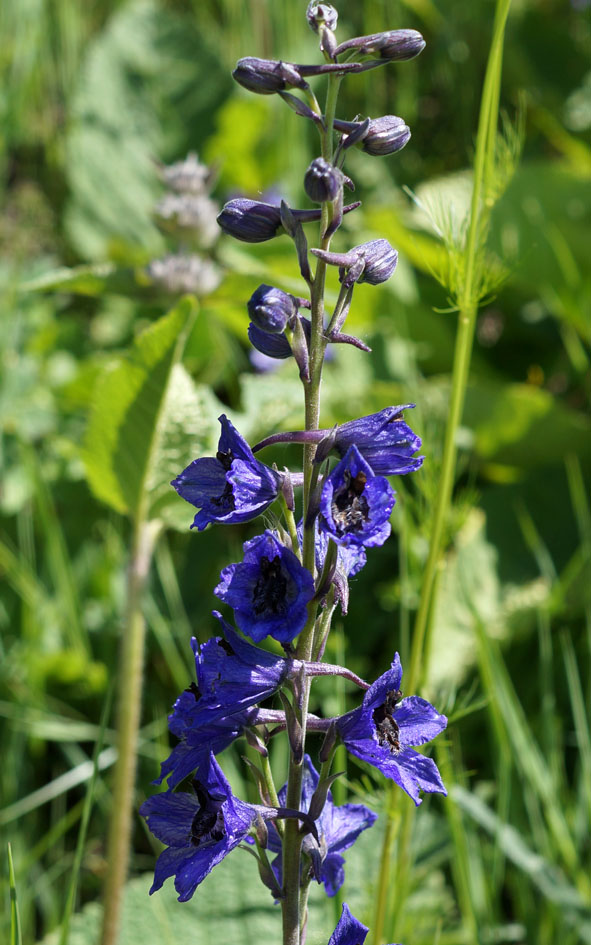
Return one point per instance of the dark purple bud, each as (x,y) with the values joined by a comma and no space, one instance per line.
(254,222)
(386,135)
(381,136)
(249,220)
(322,181)
(272,345)
(392,46)
(319,14)
(380,261)
(266,76)
(271,308)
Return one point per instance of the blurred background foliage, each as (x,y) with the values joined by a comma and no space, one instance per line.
(93,96)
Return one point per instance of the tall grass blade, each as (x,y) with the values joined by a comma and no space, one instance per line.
(15,921)
(88,800)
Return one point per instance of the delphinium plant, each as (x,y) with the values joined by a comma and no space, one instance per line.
(295,573)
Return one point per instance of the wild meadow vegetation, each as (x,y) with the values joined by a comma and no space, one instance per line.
(111,383)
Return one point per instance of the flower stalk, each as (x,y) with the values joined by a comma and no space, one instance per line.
(293,576)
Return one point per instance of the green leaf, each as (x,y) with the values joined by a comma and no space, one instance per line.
(190,429)
(232,907)
(127,423)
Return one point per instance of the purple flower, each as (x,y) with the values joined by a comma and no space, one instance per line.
(349,931)
(384,440)
(199,829)
(338,829)
(232,675)
(385,726)
(231,487)
(269,590)
(355,505)
(199,733)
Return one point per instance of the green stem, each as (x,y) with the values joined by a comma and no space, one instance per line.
(128,719)
(468,301)
(292,906)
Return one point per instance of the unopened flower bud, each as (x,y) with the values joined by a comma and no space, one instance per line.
(254,222)
(386,135)
(380,261)
(271,308)
(249,220)
(266,76)
(381,136)
(319,14)
(372,262)
(272,345)
(392,46)
(322,181)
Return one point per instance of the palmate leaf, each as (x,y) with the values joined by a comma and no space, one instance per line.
(134,436)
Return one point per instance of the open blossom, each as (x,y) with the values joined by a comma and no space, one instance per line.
(338,829)
(231,487)
(269,590)
(355,504)
(232,676)
(385,726)
(384,440)
(200,733)
(200,829)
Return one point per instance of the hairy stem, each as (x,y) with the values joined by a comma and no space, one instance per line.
(293,909)
(128,720)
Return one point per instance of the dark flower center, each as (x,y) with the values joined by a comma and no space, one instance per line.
(194,688)
(226,647)
(207,825)
(269,591)
(387,727)
(226,499)
(350,510)
(225,459)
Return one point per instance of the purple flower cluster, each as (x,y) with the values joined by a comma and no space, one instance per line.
(283,591)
